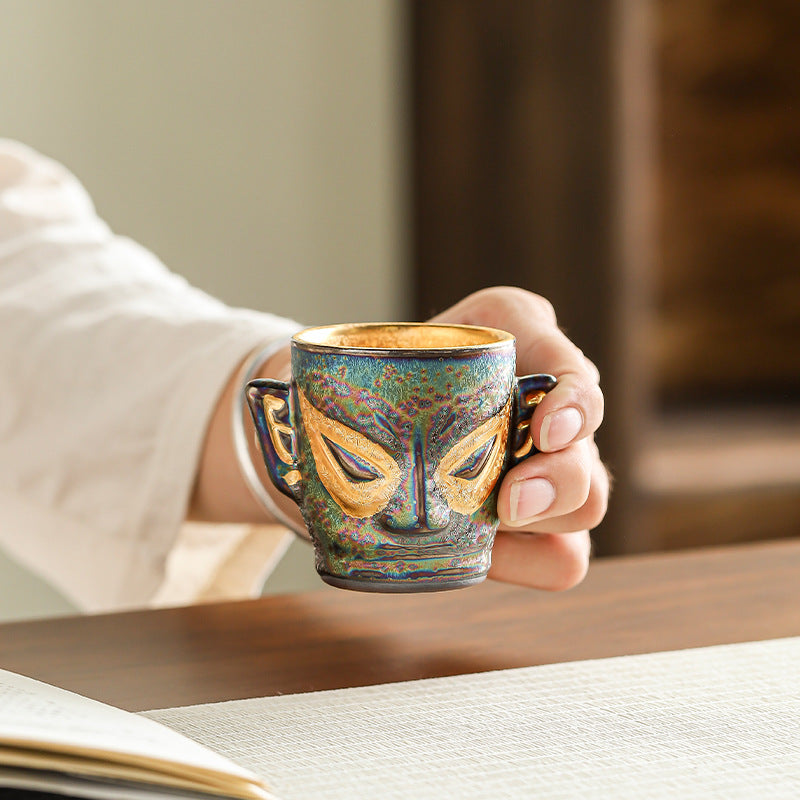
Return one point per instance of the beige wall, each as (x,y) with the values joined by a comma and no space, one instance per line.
(255,145)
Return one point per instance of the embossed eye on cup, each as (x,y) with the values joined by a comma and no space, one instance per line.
(392,439)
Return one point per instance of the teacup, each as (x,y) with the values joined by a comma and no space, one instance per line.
(392,439)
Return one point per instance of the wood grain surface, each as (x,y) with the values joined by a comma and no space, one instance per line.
(332,639)
(727,313)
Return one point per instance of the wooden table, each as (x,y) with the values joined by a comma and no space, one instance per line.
(331,638)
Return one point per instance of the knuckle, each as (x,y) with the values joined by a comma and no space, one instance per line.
(513,297)
(597,399)
(589,398)
(497,296)
(544,307)
(592,396)
(592,368)
(571,562)
(580,478)
(594,509)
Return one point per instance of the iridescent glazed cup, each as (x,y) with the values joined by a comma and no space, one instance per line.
(392,439)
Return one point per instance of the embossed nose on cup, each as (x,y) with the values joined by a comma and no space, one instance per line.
(392,439)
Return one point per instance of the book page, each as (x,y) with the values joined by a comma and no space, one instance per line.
(713,722)
(39,716)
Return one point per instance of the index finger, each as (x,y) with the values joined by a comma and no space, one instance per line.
(574,409)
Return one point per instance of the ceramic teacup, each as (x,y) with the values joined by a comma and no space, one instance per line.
(392,439)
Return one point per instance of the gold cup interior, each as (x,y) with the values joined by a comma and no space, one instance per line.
(402,336)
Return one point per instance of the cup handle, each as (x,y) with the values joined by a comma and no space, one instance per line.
(269,404)
(530,389)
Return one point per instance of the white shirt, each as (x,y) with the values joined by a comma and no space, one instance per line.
(110,367)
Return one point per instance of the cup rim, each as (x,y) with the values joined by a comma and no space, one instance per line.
(332,338)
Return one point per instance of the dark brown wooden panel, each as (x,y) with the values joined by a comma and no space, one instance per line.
(512,137)
(728,286)
(537,162)
(725,518)
(515,178)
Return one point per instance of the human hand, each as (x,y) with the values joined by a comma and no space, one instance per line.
(548,503)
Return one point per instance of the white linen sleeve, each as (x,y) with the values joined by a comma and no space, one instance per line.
(110,368)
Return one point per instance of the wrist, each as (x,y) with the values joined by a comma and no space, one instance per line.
(221,492)
(276,365)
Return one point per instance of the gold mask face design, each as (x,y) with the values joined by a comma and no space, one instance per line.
(469,470)
(359,474)
(362,477)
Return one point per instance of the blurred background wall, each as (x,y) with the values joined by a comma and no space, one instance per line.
(256,146)
(636,161)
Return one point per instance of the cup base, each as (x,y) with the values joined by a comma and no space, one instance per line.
(401,587)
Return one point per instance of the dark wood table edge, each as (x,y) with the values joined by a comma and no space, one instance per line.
(333,639)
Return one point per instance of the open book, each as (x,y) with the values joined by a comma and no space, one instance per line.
(713,722)
(55,741)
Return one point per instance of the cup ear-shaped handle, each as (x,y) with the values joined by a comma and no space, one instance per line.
(530,390)
(269,405)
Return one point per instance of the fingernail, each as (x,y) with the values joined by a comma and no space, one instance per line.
(559,428)
(529,498)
